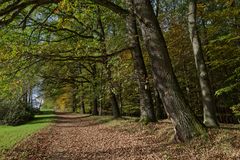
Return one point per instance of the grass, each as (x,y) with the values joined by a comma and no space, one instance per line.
(11,135)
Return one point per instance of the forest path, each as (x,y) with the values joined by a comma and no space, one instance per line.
(79,137)
(83,137)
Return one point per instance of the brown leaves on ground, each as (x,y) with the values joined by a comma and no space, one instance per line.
(78,137)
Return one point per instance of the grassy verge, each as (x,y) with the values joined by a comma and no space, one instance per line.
(11,135)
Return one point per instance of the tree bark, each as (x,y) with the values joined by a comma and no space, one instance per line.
(209,106)
(146,103)
(185,123)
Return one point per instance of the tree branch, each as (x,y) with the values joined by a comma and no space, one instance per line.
(113,7)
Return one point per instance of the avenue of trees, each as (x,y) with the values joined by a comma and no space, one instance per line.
(153,59)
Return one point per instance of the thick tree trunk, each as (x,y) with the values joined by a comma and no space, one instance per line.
(146,103)
(185,123)
(209,107)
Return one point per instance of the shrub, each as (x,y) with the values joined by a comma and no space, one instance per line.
(15,114)
(3,112)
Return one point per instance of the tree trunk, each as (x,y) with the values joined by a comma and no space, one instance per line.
(82,100)
(95,106)
(74,98)
(30,99)
(209,107)
(160,112)
(146,103)
(25,94)
(82,106)
(95,96)
(185,123)
(115,107)
(120,99)
(74,105)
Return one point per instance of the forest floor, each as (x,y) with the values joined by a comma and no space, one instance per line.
(83,137)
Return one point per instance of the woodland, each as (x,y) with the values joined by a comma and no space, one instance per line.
(148,60)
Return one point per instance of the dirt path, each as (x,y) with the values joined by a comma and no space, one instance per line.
(78,137)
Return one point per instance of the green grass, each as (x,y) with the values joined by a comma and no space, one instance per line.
(11,135)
